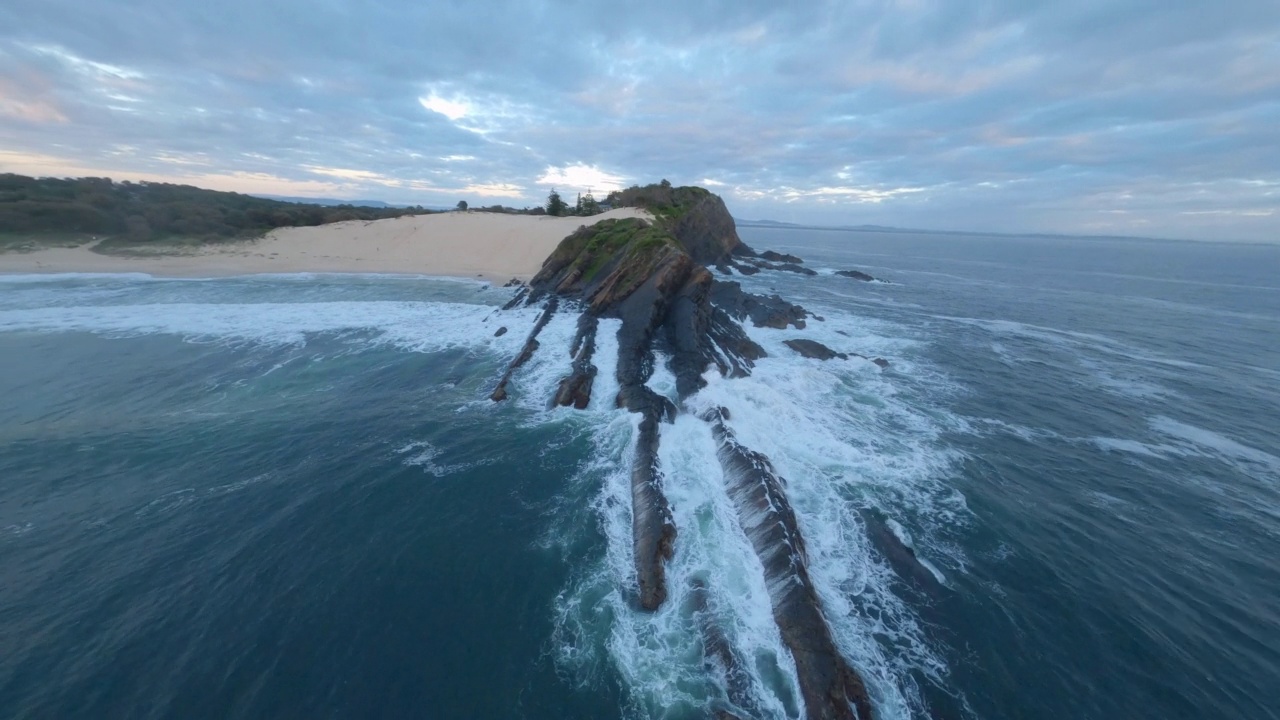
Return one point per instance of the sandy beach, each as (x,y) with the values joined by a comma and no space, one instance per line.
(457,244)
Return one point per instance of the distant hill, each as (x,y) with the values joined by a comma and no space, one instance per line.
(963,233)
(798,226)
(142,212)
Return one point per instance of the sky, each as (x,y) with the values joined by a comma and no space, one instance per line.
(1135,117)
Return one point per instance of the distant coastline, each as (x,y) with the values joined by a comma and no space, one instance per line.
(889,229)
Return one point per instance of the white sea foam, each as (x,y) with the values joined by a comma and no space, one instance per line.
(423,454)
(1207,442)
(845,436)
(1070,339)
(604,390)
(416,326)
(1135,447)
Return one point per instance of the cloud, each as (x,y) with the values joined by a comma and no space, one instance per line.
(581,177)
(453,109)
(1058,116)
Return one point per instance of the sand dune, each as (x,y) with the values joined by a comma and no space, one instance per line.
(460,244)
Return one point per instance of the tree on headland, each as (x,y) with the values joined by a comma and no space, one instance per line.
(462,205)
(555,206)
(589,205)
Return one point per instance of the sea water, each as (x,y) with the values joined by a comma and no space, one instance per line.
(290,496)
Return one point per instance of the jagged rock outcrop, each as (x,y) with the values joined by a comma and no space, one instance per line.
(778,257)
(750,266)
(653,277)
(640,273)
(771,311)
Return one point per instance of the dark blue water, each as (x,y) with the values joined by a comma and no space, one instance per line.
(290,497)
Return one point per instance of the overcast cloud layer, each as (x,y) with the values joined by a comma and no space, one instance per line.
(1083,116)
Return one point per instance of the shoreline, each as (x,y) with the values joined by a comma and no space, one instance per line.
(474,245)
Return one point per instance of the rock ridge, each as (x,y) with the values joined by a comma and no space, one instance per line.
(654,277)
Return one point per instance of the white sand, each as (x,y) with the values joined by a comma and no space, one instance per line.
(459,244)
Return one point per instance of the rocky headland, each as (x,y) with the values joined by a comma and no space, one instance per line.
(656,277)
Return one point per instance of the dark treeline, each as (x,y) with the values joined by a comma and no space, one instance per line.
(505,210)
(138,212)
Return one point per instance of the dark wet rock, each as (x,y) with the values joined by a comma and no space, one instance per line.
(653,530)
(881,362)
(746,269)
(831,688)
(814,349)
(514,282)
(500,331)
(757,265)
(855,274)
(792,267)
(900,556)
(521,295)
(637,272)
(765,311)
(575,389)
(772,256)
(530,347)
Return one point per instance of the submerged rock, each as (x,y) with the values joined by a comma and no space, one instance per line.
(814,349)
(722,663)
(900,556)
(772,256)
(855,274)
(500,331)
(752,266)
(530,347)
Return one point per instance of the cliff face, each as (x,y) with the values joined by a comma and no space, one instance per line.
(708,233)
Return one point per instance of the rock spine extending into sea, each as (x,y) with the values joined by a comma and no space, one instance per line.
(654,276)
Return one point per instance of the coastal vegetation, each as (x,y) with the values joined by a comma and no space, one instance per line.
(34,210)
(662,199)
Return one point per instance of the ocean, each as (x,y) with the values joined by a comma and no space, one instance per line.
(289,496)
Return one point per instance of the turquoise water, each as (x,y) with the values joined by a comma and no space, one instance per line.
(289,496)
